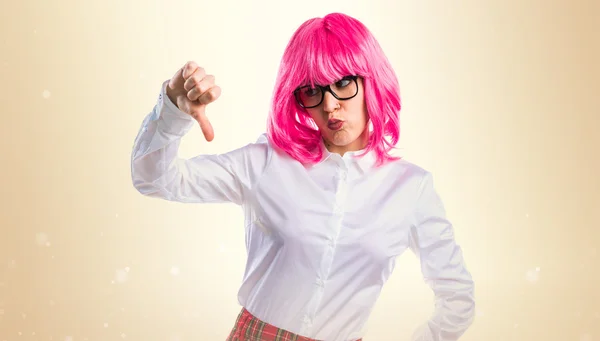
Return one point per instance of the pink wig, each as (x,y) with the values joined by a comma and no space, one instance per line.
(321,51)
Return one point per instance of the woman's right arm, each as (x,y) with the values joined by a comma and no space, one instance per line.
(157,171)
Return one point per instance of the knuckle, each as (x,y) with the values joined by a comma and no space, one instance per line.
(189,68)
(202,87)
(210,96)
(187,85)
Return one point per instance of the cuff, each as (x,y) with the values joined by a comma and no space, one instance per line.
(170,119)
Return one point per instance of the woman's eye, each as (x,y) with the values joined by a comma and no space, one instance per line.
(342,83)
(311,92)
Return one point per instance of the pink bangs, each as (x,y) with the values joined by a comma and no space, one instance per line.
(321,51)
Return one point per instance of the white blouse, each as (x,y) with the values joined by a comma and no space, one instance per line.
(321,240)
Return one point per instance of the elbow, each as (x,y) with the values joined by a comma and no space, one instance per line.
(143,187)
(142,181)
(146,185)
(151,183)
(151,189)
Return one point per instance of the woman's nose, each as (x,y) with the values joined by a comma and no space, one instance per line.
(330,103)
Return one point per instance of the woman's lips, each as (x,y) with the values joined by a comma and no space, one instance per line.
(335,124)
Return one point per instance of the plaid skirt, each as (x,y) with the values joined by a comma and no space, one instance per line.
(249,328)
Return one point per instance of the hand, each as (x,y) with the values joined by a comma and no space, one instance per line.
(191,89)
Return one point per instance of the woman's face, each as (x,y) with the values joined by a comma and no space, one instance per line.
(342,123)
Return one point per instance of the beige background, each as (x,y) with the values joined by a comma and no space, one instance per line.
(500,103)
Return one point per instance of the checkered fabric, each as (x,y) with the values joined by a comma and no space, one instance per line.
(249,328)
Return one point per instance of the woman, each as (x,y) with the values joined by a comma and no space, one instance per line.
(327,208)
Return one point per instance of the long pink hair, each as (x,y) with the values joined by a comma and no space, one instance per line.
(321,51)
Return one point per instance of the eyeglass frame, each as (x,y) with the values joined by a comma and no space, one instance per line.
(326,88)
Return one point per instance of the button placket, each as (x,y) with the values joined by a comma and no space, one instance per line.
(326,263)
(338,205)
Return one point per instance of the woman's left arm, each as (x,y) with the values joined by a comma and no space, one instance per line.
(443,268)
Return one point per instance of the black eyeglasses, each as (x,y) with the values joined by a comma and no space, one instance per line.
(310,97)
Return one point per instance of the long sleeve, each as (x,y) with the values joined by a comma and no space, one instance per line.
(443,269)
(157,170)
